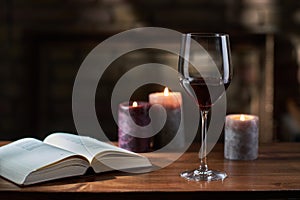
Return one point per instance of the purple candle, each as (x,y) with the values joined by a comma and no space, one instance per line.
(131,117)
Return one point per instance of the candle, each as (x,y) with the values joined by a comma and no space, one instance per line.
(241,137)
(131,117)
(172,102)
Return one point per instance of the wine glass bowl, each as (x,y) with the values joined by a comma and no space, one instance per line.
(205,72)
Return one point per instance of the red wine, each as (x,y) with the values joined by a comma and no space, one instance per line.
(205,98)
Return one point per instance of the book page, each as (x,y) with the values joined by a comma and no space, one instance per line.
(83,145)
(20,158)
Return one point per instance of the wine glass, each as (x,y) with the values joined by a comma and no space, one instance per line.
(205,72)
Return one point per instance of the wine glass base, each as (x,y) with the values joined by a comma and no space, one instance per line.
(208,175)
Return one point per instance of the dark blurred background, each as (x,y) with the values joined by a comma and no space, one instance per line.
(43,43)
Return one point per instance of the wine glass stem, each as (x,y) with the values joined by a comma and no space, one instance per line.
(203,163)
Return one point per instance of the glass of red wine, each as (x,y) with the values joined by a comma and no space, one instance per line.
(205,72)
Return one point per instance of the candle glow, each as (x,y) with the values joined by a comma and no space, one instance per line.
(242,117)
(134,104)
(166,92)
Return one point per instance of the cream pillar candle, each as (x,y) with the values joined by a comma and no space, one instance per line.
(172,102)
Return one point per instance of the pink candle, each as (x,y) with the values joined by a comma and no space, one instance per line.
(131,116)
(167,99)
(172,102)
(241,137)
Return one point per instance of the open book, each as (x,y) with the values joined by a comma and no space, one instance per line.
(28,161)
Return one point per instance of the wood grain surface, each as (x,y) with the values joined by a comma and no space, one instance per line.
(275,174)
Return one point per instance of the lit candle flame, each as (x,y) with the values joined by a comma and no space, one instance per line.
(134,104)
(242,118)
(166,91)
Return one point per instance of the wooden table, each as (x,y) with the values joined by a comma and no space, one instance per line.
(275,174)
